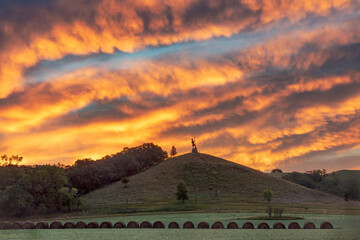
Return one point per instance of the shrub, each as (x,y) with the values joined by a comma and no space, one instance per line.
(181,191)
(268,195)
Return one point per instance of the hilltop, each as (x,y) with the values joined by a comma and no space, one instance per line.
(208,178)
(346,175)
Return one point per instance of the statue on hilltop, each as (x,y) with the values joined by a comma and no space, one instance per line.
(194,148)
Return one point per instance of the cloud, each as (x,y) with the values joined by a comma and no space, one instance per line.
(214,12)
(54,29)
(262,83)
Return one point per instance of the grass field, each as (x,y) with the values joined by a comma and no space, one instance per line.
(346,227)
(130,234)
(213,205)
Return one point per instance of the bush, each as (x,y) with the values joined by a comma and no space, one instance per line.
(268,195)
(278,212)
(181,192)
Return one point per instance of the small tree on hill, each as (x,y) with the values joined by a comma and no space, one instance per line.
(276,170)
(173,151)
(125,181)
(181,191)
(268,195)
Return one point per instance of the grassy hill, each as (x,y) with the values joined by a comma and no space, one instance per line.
(348,181)
(337,183)
(209,179)
(346,175)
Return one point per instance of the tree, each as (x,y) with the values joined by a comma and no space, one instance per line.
(181,191)
(9,175)
(68,196)
(87,174)
(4,159)
(125,180)
(46,181)
(15,201)
(8,161)
(278,211)
(268,195)
(316,175)
(276,170)
(173,151)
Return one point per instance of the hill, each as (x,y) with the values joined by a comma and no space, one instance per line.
(348,182)
(346,175)
(340,183)
(207,177)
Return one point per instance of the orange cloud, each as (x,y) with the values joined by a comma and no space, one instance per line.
(133,25)
(273,101)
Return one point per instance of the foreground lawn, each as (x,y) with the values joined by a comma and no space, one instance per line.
(346,227)
(181,234)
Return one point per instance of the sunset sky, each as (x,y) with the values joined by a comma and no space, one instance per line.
(266,83)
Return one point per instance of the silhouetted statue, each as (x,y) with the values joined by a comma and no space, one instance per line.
(194,148)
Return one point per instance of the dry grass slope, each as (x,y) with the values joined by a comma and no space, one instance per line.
(208,178)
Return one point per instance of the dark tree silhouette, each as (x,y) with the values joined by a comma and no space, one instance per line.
(317,175)
(173,151)
(8,161)
(88,175)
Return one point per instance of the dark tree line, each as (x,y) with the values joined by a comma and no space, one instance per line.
(27,190)
(87,175)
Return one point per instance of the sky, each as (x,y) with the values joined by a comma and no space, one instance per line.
(266,83)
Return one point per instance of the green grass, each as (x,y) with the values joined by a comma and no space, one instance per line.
(130,234)
(223,206)
(346,227)
(192,207)
(346,176)
(274,218)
